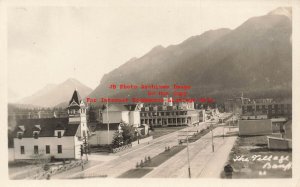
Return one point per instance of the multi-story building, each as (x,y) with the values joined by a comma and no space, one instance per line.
(116,113)
(171,115)
(272,109)
(235,104)
(112,117)
(52,137)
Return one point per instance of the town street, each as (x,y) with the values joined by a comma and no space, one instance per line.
(113,165)
(203,162)
(126,159)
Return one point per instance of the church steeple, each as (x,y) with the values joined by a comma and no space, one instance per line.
(76,99)
(77,113)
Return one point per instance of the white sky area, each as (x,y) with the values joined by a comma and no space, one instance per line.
(46,43)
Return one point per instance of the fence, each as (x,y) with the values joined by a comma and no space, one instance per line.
(118,149)
(58,169)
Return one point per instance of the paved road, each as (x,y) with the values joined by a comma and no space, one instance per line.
(203,162)
(127,160)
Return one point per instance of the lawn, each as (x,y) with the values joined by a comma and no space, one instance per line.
(251,158)
(203,132)
(164,156)
(161,131)
(154,162)
(135,173)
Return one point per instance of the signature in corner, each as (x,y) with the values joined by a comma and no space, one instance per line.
(268,158)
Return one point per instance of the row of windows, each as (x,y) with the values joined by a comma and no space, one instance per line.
(163,113)
(36,135)
(270,111)
(73,111)
(36,149)
(268,106)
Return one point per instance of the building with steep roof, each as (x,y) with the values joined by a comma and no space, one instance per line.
(117,113)
(53,137)
(113,115)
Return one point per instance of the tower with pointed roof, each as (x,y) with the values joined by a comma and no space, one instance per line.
(77,113)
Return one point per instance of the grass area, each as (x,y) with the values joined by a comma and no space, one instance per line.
(135,173)
(200,134)
(154,162)
(164,156)
(251,158)
(161,131)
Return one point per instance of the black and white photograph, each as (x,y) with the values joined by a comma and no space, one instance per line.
(197,89)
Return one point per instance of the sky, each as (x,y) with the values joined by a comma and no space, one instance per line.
(49,44)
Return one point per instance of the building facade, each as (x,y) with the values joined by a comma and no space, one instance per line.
(112,117)
(117,113)
(271,109)
(53,137)
(171,115)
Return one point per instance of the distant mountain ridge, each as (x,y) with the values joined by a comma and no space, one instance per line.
(52,95)
(255,58)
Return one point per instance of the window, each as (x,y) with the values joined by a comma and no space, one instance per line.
(59,134)
(59,148)
(35,135)
(47,149)
(20,135)
(36,149)
(22,150)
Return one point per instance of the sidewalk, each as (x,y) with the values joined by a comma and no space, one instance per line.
(214,166)
(203,162)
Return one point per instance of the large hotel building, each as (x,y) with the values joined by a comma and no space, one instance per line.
(169,115)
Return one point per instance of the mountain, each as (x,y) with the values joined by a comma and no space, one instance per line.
(255,58)
(52,95)
(285,11)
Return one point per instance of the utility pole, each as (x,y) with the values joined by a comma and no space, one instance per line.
(212,139)
(188,154)
(85,148)
(137,135)
(81,154)
(107,121)
(223,132)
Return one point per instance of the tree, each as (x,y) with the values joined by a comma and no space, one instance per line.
(124,136)
(128,133)
(118,140)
